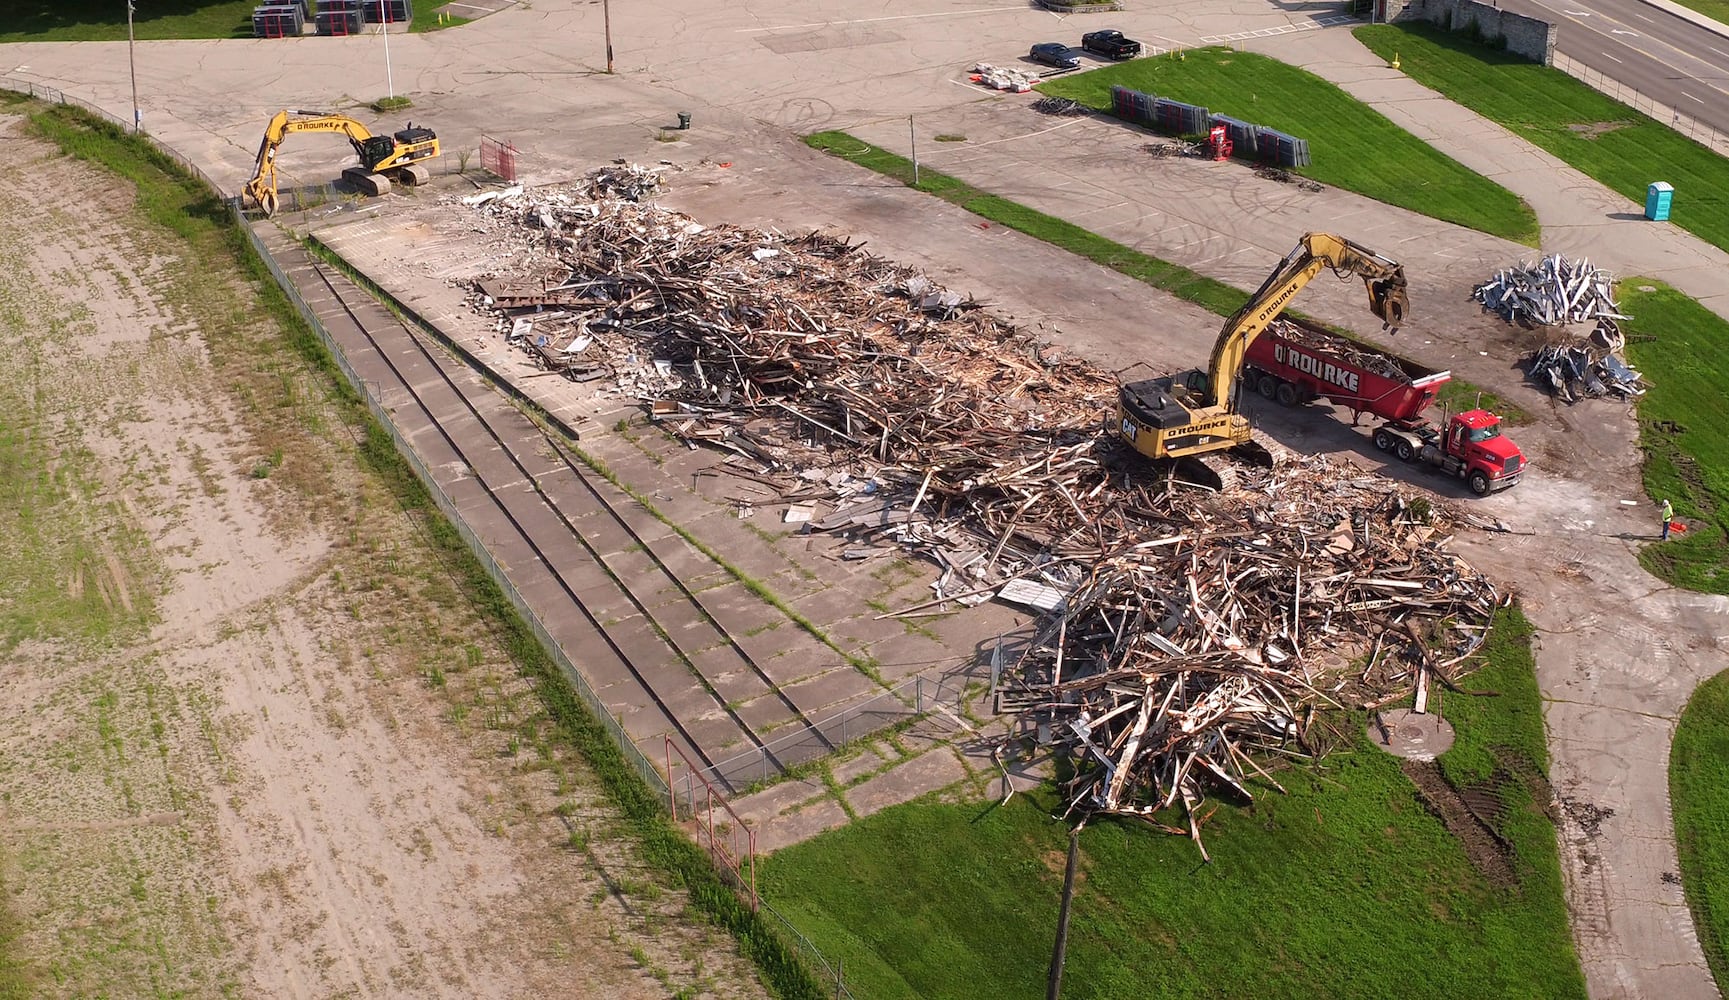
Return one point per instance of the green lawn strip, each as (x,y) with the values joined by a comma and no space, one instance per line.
(1683,428)
(1348,882)
(1352,146)
(105,20)
(1699,793)
(1715,9)
(173,199)
(1211,295)
(1603,138)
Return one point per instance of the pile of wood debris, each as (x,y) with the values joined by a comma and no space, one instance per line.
(1183,632)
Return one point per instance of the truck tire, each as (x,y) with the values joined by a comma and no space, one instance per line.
(1267,386)
(1402,448)
(1383,440)
(1287,394)
(1479,482)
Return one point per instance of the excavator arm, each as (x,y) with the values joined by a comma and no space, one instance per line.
(379,154)
(261,189)
(1384,279)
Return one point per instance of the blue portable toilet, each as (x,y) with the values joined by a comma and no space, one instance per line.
(1657,199)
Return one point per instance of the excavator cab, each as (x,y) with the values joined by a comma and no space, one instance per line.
(376,150)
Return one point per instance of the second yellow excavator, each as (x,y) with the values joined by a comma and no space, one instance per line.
(1192,413)
(400,156)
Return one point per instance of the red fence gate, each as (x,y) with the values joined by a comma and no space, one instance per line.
(498,157)
(731,844)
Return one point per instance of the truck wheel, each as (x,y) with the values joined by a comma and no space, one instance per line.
(1267,386)
(1402,448)
(1287,394)
(1383,440)
(1479,482)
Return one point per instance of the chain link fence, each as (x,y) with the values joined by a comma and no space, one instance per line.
(1708,136)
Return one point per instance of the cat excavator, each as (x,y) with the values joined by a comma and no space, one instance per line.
(400,156)
(1184,416)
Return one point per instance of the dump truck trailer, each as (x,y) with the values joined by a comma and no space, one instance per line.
(1295,362)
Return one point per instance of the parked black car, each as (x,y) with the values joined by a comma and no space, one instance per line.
(1054,54)
(1111,44)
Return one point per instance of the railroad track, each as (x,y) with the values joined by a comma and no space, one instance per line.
(642,626)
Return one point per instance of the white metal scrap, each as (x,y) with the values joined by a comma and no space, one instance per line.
(1554,291)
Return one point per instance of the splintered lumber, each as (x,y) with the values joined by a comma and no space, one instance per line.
(1187,639)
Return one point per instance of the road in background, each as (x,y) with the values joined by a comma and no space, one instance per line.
(1663,56)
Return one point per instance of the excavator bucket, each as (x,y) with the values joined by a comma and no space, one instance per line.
(1387,300)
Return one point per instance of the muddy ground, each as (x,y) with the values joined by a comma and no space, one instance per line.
(252,740)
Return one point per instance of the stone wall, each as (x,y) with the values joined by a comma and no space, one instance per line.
(1524,36)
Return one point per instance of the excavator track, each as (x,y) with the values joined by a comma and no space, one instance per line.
(369,183)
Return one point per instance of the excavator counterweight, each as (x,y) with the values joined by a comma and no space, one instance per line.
(383,158)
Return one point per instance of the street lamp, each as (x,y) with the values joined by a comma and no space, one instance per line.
(132,60)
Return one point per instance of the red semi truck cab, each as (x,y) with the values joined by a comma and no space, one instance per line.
(1296,362)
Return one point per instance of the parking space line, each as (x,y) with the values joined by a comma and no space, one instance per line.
(871,20)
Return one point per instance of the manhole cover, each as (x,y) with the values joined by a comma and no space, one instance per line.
(1404,733)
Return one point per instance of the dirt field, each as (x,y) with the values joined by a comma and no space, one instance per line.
(252,743)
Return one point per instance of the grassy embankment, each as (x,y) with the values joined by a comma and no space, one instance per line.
(1208,293)
(1699,789)
(1341,889)
(1684,429)
(1601,137)
(105,20)
(1353,147)
(177,202)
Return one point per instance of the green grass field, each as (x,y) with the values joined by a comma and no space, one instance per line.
(1349,887)
(105,20)
(1683,428)
(1718,9)
(1353,146)
(1603,138)
(1699,791)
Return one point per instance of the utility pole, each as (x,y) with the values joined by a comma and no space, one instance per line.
(389,80)
(606,18)
(1059,952)
(914,139)
(132,60)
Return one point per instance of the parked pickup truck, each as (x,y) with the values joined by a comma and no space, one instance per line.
(1111,44)
(1296,363)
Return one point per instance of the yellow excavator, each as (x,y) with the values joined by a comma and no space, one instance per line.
(400,156)
(1189,414)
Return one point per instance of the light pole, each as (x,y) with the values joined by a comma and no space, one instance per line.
(606,19)
(132,60)
(389,80)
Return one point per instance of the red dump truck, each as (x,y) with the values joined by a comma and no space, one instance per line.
(1294,362)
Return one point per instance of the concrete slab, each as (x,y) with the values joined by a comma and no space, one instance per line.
(920,776)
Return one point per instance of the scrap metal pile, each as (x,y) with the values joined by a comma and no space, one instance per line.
(1554,291)
(1184,632)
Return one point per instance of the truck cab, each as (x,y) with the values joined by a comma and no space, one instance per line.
(1474,449)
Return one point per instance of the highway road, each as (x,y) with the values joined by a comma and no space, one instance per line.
(1663,56)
